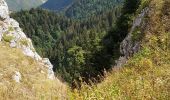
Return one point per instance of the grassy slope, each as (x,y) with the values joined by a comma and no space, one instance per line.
(34,83)
(146,76)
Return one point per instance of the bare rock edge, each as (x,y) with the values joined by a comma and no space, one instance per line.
(12,33)
(128,47)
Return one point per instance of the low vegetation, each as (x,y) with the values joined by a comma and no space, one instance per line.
(34,84)
(7,38)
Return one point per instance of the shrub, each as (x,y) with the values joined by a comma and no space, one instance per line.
(7,38)
(24,42)
(10,29)
(136,35)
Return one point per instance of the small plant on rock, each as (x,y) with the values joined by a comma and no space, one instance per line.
(7,38)
(24,42)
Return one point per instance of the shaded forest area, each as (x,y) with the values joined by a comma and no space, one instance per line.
(80,50)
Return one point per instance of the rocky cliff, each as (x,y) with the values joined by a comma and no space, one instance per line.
(130,45)
(11,32)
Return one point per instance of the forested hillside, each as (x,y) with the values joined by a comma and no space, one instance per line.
(80,9)
(78,48)
(75,47)
(146,75)
(57,5)
(86,8)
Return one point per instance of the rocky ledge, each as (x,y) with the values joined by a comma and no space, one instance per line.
(11,32)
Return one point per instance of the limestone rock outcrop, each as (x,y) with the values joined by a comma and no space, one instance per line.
(3,10)
(128,47)
(12,33)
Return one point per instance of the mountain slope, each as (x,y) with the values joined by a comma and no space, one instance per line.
(33,84)
(87,8)
(57,5)
(62,33)
(145,76)
(23,73)
(16,5)
(81,8)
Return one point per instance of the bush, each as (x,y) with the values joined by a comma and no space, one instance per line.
(24,42)
(7,38)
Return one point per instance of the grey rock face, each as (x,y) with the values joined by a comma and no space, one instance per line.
(121,61)
(47,62)
(128,47)
(4,12)
(12,33)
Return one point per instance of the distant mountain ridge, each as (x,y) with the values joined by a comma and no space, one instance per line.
(86,8)
(16,5)
(57,5)
(81,8)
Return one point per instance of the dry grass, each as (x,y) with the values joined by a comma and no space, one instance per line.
(34,84)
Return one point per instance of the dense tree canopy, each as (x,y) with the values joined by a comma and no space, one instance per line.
(55,36)
(78,48)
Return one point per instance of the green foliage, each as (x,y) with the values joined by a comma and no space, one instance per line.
(83,50)
(77,54)
(7,38)
(24,42)
(11,29)
(117,34)
(145,52)
(143,4)
(76,60)
(53,35)
(145,74)
(137,35)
